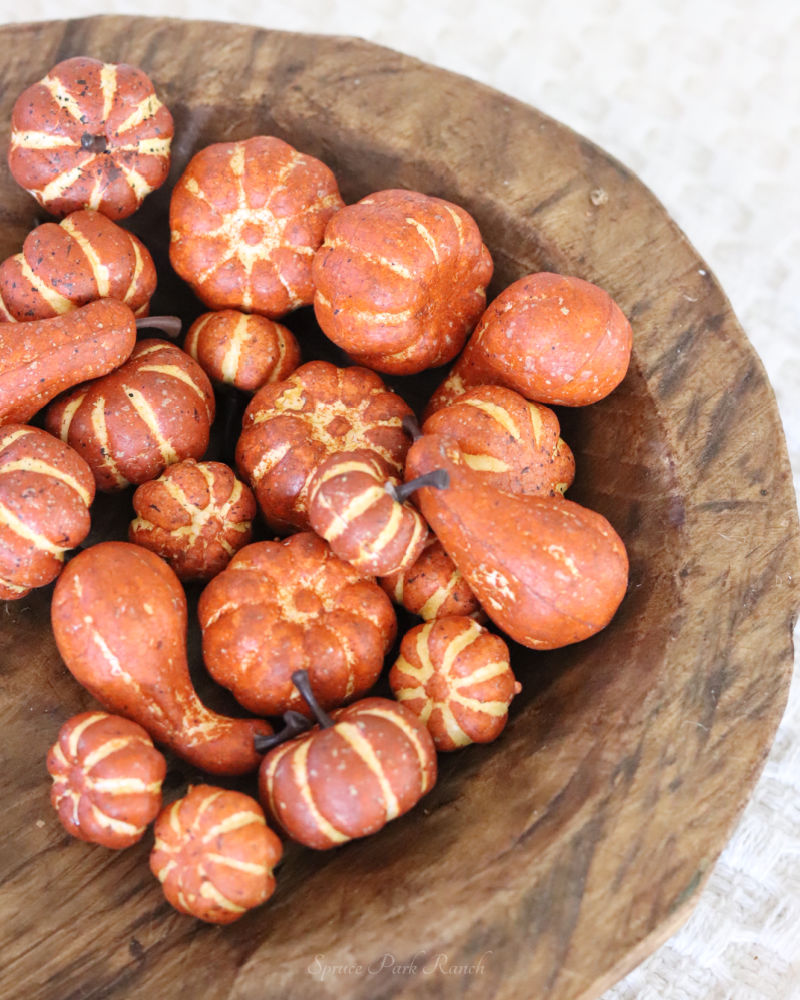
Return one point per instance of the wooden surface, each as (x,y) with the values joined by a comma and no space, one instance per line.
(558,857)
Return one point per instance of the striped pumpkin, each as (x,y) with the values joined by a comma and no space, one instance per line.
(292,605)
(433,586)
(46,490)
(107,779)
(456,678)
(196,516)
(214,854)
(333,784)
(62,267)
(401,280)
(514,444)
(243,350)
(291,427)
(154,410)
(363,524)
(90,135)
(246,218)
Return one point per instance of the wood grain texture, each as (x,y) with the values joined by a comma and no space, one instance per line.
(566,851)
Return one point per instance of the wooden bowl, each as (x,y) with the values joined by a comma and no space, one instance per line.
(553,861)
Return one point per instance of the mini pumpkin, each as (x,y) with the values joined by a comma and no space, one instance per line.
(554,338)
(46,490)
(456,677)
(196,516)
(401,280)
(154,410)
(214,854)
(512,443)
(285,606)
(90,135)
(433,587)
(107,779)
(291,427)
(62,267)
(243,350)
(350,507)
(349,776)
(246,218)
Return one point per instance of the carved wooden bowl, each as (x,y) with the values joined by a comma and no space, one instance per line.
(551,862)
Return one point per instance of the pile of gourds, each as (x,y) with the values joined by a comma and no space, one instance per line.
(460,520)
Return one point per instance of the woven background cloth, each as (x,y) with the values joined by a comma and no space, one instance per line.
(702,99)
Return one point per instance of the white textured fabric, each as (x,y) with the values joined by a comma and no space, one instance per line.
(702,99)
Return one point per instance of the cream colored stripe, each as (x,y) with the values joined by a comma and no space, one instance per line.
(364,749)
(390,529)
(421,674)
(142,352)
(373,258)
(387,318)
(54,299)
(493,708)
(114,665)
(342,468)
(123,786)
(148,418)
(427,238)
(9,519)
(360,504)
(100,271)
(152,147)
(458,645)
(456,222)
(240,866)
(269,461)
(45,469)
(108,87)
(6,441)
(454,730)
(408,694)
(209,891)
(101,434)
(423,653)
(484,673)
(174,372)
(420,530)
(69,413)
(31,139)
(164,870)
(300,775)
(79,730)
(230,360)
(13,587)
(191,344)
(62,182)
(269,772)
(138,267)
(174,821)
(413,737)
(498,413)
(137,183)
(117,825)
(63,97)
(236,821)
(146,108)
(536,422)
(485,463)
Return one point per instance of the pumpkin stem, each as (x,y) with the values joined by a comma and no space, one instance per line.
(293,724)
(438,478)
(170,326)
(411,426)
(94,143)
(301,681)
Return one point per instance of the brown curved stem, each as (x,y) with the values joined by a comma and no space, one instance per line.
(438,478)
(170,326)
(301,681)
(411,426)
(293,724)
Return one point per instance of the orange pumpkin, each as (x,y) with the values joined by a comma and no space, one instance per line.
(62,267)
(433,587)
(107,779)
(214,854)
(46,490)
(90,135)
(154,410)
(196,516)
(246,218)
(401,280)
(555,339)
(291,605)
(456,677)
(291,427)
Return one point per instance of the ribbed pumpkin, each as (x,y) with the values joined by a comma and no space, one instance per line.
(433,587)
(214,854)
(291,427)
(512,443)
(46,490)
(401,280)
(348,780)
(243,350)
(351,509)
(196,516)
(90,135)
(62,267)
(456,677)
(554,338)
(292,605)
(131,424)
(246,218)
(107,779)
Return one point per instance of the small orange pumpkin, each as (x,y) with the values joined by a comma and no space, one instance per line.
(433,587)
